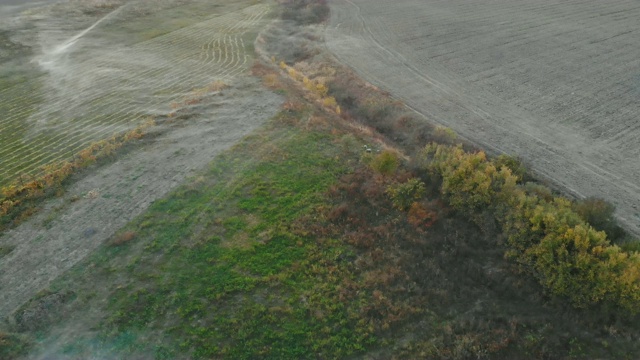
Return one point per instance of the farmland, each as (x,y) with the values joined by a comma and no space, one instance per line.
(280,204)
(191,76)
(83,78)
(555,82)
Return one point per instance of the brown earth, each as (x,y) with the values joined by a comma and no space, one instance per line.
(554,82)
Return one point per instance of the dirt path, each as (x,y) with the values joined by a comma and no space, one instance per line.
(556,83)
(66,231)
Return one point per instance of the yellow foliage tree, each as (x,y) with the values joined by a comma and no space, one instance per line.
(545,235)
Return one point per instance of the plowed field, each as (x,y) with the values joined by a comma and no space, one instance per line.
(555,82)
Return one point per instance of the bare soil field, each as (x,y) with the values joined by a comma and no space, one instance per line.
(554,82)
(189,133)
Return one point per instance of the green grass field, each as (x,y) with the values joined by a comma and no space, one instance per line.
(219,261)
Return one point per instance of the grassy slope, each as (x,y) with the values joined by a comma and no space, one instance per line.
(287,247)
(218,260)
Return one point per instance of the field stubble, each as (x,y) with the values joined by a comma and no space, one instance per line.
(555,83)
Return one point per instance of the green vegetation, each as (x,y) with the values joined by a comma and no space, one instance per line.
(12,346)
(385,163)
(291,245)
(405,194)
(599,214)
(545,235)
(222,260)
(297,243)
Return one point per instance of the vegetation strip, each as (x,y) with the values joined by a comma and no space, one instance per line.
(19,200)
(545,235)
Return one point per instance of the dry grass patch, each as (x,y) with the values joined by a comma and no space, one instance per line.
(123,238)
(218,86)
(240,240)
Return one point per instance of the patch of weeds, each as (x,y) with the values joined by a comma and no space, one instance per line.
(43,310)
(6,250)
(123,238)
(233,224)
(21,198)
(12,346)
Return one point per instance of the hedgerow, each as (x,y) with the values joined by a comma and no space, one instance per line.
(17,199)
(545,236)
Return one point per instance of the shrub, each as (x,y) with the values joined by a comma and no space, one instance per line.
(271,80)
(445,135)
(630,246)
(329,102)
(514,164)
(599,214)
(12,346)
(385,163)
(405,194)
(541,191)
(469,180)
(376,111)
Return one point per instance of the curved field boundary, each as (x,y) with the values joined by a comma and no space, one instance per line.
(554,82)
(94,94)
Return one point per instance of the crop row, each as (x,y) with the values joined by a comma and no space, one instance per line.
(123,88)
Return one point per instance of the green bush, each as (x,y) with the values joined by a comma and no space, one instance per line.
(385,163)
(12,346)
(541,191)
(514,164)
(599,214)
(445,135)
(405,194)
(469,181)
